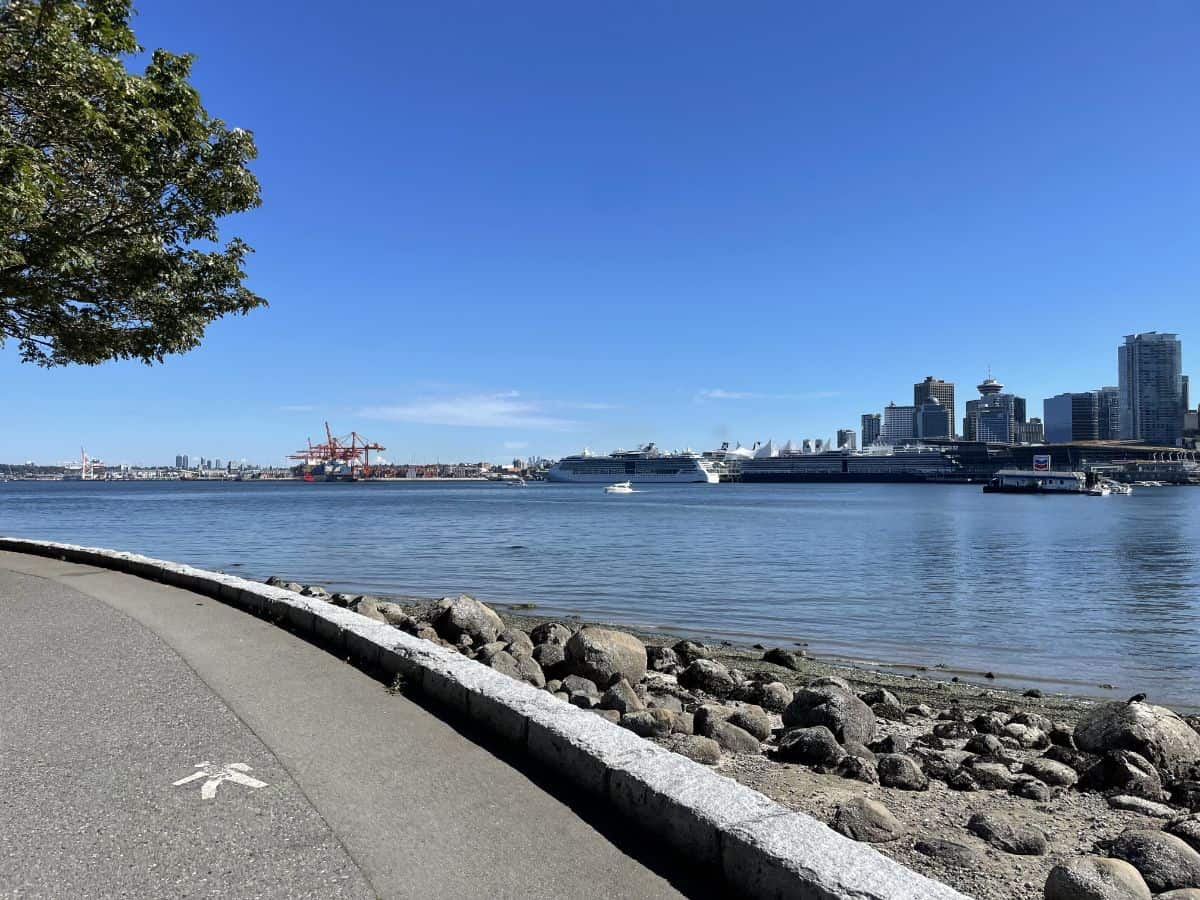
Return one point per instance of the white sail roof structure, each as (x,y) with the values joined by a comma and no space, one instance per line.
(766,451)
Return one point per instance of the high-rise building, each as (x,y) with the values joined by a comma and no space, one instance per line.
(1108,402)
(933,419)
(935,387)
(180,461)
(1186,395)
(1031,432)
(1150,379)
(871,426)
(846,439)
(995,408)
(899,424)
(1072,417)
(1018,410)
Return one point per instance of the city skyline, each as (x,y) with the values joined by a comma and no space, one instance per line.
(567,252)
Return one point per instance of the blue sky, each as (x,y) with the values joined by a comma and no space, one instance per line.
(494,229)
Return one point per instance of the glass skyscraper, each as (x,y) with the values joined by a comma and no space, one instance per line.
(1150,378)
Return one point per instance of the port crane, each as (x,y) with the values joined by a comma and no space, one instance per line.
(352,450)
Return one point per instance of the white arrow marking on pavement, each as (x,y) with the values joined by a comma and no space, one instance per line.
(235,772)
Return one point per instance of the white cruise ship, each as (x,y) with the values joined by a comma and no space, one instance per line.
(649,464)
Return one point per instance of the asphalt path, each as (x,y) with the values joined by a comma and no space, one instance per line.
(157,743)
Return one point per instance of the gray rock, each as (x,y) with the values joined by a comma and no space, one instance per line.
(314,590)
(952,731)
(941,763)
(1027,736)
(689,651)
(812,746)
(341,599)
(1187,829)
(863,752)
(1154,732)
(1069,756)
(505,663)
(857,769)
(731,738)
(1181,894)
(862,819)
(1095,878)
(709,676)
(603,655)
(1141,806)
(892,743)
(834,707)
(383,611)
(530,671)
(985,745)
(550,633)
(1005,834)
(583,700)
(551,657)
(962,780)
(949,853)
(695,747)
(662,659)
(574,683)
(710,712)
(622,697)
(752,719)
(789,659)
(664,701)
(1165,861)
(1031,788)
(990,722)
(1033,720)
(920,711)
(518,642)
(774,696)
(463,615)
(1124,772)
(293,586)
(993,776)
(649,722)
(611,714)
(685,723)
(1053,773)
(898,770)
(485,653)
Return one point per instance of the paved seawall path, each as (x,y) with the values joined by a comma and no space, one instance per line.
(316,781)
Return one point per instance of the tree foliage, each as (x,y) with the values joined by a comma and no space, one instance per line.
(111,188)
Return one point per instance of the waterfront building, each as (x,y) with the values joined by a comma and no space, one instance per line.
(1018,410)
(933,419)
(942,390)
(1186,394)
(871,426)
(846,439)
(1031,432)
(899,424)
(1072,417)
(1150,380)
(992,418)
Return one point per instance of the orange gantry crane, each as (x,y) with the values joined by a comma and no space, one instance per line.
(352,450)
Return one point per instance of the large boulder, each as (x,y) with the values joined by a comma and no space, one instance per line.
(463,615)
(1166,862)
(813,746)
(649,722)
(1095,878)
(550,633)
(1154,732)
(824,702)
(1186,828)
(622,697)
(604,655)
(1005,834)
(693,746)
(867,820)
(709,676)
(753,719)
(1124,772)
(1051,772)
(897,770)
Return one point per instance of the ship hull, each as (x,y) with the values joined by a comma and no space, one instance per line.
(698,476)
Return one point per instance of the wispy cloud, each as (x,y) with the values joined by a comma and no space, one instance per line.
(515,445)
(298,408)
(722,394)
(501,410)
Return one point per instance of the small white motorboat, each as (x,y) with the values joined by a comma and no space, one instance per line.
(1098,490)
(621,487)
(1118,487)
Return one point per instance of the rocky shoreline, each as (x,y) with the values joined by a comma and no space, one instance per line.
(998,793)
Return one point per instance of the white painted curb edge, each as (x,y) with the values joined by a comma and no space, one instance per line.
(763,849)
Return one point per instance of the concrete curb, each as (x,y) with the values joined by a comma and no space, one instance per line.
(763,849)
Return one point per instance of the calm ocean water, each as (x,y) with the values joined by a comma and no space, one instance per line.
(1075,591)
